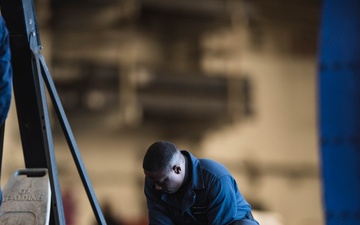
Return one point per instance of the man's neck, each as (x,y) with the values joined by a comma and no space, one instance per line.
(186,177)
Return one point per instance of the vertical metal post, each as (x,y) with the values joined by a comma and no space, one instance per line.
(30,77)
(339,111)
(30,97)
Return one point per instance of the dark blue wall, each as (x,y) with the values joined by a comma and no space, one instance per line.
(339,110)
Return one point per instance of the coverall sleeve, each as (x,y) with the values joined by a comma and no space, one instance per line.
(158,212)
(5,72)
(224,201)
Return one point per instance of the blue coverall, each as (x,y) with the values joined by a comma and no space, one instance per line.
(211,198)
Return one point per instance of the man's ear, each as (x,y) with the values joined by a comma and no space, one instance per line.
(177,169)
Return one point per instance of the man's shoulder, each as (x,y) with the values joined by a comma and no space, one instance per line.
(213,167)
(206,167)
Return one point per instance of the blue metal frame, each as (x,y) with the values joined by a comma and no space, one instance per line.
(339,111)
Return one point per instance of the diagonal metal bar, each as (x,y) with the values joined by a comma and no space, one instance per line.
(57,206)
(71,140)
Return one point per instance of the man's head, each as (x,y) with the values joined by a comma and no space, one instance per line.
(165,165)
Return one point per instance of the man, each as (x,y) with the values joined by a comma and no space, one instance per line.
(182,189)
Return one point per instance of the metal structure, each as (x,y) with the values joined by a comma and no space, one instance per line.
(30,77)
(339,110)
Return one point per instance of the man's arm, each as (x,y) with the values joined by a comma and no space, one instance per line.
(226,204)
(158,212)
(5,72)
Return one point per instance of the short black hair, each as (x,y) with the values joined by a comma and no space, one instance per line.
(159,156)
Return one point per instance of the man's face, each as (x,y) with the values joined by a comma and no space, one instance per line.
(168,182)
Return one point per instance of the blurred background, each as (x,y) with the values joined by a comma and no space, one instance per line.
(231,80)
